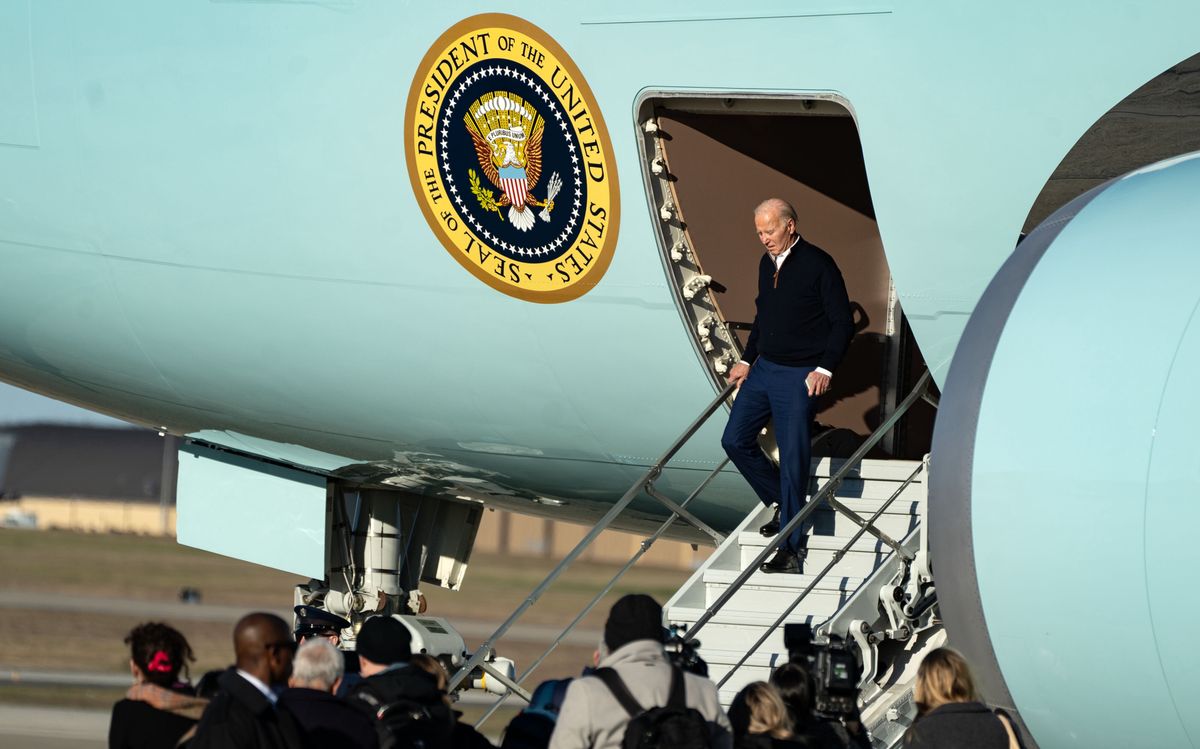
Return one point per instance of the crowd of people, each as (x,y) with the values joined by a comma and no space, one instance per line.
(285,691)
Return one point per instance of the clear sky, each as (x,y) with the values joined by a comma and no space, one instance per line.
(19,406)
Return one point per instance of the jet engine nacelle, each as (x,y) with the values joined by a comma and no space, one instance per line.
(1065,472)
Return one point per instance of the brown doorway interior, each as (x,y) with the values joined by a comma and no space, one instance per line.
(722,165)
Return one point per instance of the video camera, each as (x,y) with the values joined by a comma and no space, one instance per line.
(682,653)
(833,667)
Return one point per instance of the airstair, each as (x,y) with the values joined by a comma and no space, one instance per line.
(743,641)
(866,582)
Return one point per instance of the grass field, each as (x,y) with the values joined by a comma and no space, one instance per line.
(59,565)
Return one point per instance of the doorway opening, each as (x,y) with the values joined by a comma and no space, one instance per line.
(709,160)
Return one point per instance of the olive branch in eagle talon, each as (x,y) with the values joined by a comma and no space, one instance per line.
(486,201)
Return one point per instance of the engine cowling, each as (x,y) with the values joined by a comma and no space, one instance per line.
(1065,470)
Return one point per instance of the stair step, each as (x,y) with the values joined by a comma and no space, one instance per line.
(863,557)
(867,543)
(872,489)
(830,523)
(757,667)
(883,470)
(788,584)
(905,504)
(773,593)
(738,629)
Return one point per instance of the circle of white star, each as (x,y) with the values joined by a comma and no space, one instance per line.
(452,102)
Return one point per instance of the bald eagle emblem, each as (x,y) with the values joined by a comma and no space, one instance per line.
(507,133)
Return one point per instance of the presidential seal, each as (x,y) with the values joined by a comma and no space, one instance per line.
(510,160)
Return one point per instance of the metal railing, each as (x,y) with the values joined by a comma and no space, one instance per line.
(646,482)
(825,495)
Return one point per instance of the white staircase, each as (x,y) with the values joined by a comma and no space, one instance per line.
(753,608)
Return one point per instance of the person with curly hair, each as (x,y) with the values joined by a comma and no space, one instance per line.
(161,706)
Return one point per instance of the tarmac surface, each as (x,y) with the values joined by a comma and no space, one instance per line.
(29,727)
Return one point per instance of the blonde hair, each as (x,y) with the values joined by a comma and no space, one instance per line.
(767,712)
(943,677)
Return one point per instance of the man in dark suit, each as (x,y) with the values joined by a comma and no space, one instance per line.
(802,327)
(327,720)
(244,714)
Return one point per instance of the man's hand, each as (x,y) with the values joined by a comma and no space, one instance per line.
(738,374)
(817,384)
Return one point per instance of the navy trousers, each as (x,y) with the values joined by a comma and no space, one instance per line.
(774,391)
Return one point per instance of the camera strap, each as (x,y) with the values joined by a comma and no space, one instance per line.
(677,697)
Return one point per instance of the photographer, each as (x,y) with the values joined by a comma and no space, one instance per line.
(594,715)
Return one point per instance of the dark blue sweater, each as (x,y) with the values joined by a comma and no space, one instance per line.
(803,314)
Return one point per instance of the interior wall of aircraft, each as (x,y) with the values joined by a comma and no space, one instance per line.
(813,159)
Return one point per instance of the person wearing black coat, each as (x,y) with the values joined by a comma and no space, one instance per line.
(384,648)
(244,713)
(950,714)
(160,708)
(328,721)
(957,724)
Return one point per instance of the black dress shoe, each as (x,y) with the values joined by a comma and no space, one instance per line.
(783,561)
(771,527)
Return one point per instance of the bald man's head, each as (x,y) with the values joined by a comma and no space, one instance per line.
(264,647)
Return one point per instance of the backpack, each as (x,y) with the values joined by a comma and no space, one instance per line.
(405,724)
(404,719)
(674,725)
(531,728)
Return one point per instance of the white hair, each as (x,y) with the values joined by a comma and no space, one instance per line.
(318,664)
(778,207)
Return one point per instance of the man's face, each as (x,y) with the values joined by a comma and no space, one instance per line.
(774,232)
(279,657)
(332,637)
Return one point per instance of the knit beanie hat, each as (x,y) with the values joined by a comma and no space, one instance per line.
(384,640)
(635,617)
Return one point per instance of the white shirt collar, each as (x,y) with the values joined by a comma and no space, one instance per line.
(266,690)
(783,255)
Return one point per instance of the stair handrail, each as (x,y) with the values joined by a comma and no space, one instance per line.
(647,479)
(824,495)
